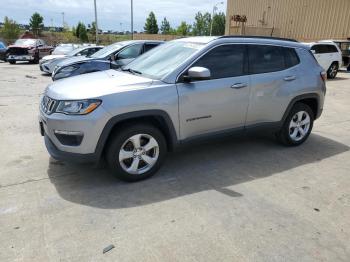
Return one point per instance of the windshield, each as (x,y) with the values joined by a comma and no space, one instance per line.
(163,59)
(2,45)
(25,42)
(62,49)
(107,50)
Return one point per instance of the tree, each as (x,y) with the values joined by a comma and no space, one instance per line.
(184,29)
(219,24)
(201,25)
(151,26)
(165,28)
(10,30)
(36,23)
(93,28)
(77,29)
(83,33)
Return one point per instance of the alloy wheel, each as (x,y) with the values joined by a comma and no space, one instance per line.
(299,126)
(139,154)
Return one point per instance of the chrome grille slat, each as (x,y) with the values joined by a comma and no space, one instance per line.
(48,104)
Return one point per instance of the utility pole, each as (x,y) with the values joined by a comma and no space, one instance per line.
(62,19)
(96,26)
(215,7)
(132,20)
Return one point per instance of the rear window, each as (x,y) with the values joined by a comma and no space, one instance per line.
(265,59)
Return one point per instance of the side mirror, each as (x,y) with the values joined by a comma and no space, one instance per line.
(313,51)
(197,74)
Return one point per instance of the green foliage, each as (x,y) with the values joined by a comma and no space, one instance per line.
(219,24)
(36,23)
(151,26)
(184,29)
(93,28)
(83,33)
(202,23)
(10,30)
(165,28)
(77,29)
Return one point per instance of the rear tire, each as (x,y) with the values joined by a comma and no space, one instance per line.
(333,70)
(298,125)
(12,62)
(136,152)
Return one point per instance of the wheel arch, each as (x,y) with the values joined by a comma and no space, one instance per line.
(158,118)
(312,100)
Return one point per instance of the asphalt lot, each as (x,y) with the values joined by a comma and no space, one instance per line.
(242,199)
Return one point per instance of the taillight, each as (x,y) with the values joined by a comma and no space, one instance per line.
(323,75)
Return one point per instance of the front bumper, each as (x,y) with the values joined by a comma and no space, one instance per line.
(20,58)
(67,156)
(90,126)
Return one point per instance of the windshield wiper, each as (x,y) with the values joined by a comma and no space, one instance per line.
(134,72)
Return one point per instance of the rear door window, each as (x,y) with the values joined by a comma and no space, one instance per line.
(265,59)
(332,49)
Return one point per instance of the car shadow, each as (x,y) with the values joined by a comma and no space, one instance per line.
(338,79)
(212,166)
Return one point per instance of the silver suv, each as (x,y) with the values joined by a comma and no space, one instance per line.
(181,91)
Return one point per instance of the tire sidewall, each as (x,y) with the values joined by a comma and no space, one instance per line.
(119,138)
(286,139)
(329,71)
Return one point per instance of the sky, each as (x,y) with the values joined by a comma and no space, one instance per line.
(112,14)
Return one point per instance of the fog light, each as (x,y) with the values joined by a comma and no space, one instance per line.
(69,138)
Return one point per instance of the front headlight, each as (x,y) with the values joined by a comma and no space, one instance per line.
(82,107)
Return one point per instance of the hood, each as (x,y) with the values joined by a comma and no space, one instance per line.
(21,46)
(50,57)
(96,85)
(73,60)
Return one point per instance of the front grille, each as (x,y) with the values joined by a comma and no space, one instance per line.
(18,51)
(48,104)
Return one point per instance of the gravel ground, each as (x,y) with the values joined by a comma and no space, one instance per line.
(242,199)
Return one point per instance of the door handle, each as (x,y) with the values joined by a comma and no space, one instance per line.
(238,86)
(290,78)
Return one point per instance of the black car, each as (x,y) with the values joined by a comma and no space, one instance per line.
(344,46)
(111,57)
(3,51)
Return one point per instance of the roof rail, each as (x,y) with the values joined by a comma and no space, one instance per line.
(259,37)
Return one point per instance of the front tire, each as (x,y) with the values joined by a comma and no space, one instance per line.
(298,125)
(12,62)
(333,71)
(136,152)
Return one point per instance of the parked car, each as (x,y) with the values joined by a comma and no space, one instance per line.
(31,50)
(328,55)
(3,51)
(344,46)
(112,56)
(63,49)
(184,90)
(48,63)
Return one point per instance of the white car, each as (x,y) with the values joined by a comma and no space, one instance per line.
(328,55)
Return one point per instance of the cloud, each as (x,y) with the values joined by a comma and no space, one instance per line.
(110,13)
